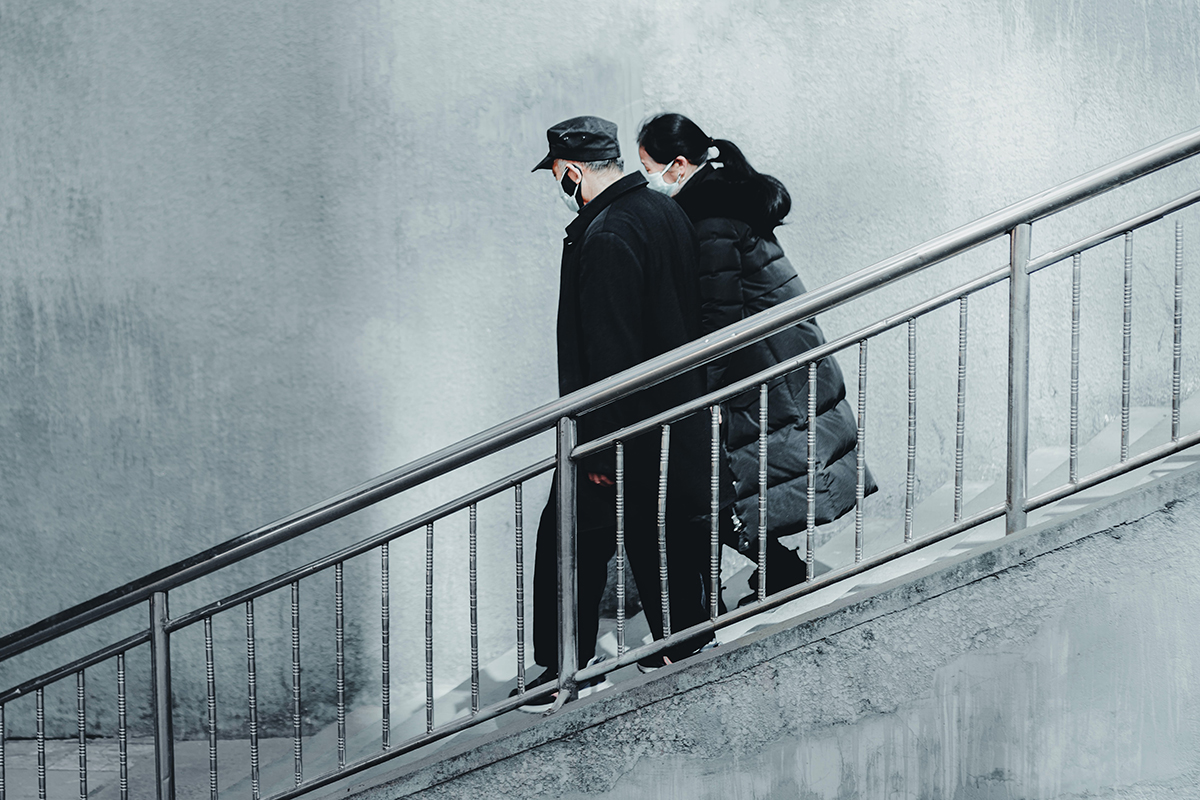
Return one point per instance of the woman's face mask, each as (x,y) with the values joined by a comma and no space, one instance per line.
(658,182)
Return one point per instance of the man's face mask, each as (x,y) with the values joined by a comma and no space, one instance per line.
(570,195)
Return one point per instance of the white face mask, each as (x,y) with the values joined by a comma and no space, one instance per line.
(658,183)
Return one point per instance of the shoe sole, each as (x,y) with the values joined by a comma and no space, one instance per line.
(646,669)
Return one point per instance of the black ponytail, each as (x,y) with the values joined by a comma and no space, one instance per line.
(776,200)
(669,135)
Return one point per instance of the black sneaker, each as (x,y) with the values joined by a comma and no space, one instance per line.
(658,660)
(651,663)
(549,676)
(539,704)
(595,684)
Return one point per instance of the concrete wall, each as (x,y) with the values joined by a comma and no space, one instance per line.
(253,254)
(1057,663)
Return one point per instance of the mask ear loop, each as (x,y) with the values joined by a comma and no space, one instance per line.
(678,177)
(567,180)
(569,195)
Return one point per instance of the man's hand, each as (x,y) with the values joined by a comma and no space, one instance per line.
(600,480)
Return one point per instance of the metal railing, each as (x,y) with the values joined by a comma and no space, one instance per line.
(153,591)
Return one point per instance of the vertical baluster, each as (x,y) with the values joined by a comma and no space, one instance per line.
(41,742)
(252,697)
(762,491)
(664,454)
(1126,345)
(429,627)
(811,517)
(3,733)
(473,569)
(1177,360)
(960,428)
(1017,469)
(123,731)
(910,475)
(714,510)
(519,528)
(620,548)
(210,678)
(566,488)
(339,611)
(1076,283)
(385,624)
(81,718)
(160,665)
(860,487)
(297,747)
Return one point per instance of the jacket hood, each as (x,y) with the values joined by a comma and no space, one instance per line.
(711,194)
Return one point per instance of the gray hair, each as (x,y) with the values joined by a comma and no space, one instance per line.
(604,166)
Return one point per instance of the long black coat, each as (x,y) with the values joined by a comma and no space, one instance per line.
(629,291)
(744,271)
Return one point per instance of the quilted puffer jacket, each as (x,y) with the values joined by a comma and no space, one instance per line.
(743,271)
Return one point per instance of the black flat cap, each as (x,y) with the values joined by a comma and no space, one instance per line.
(581,139)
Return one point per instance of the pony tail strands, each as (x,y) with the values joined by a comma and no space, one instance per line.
(731,158)
(777,202)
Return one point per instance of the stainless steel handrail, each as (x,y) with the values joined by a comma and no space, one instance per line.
(1112,232)
(656,370)
(789,365)
(887,323)
(370,543)
(90,660)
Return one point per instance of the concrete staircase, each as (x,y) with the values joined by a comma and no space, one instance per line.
(1048,468)
(1149,427)
(1051,665)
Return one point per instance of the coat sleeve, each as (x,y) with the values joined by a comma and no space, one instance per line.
(722,303)
(611,303)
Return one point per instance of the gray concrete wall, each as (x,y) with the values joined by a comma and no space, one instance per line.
(253,254)
(1056,663)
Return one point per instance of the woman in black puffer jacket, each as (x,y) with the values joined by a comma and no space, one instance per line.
(743,270)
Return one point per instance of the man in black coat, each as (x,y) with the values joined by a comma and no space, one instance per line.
(628,291)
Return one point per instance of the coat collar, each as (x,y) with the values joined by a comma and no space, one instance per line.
(588,213)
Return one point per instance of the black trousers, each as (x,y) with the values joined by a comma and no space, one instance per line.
(785,567)
(687,558)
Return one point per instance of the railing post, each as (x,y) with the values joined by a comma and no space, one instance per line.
(160,663)
(1018,379)
(568,602)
